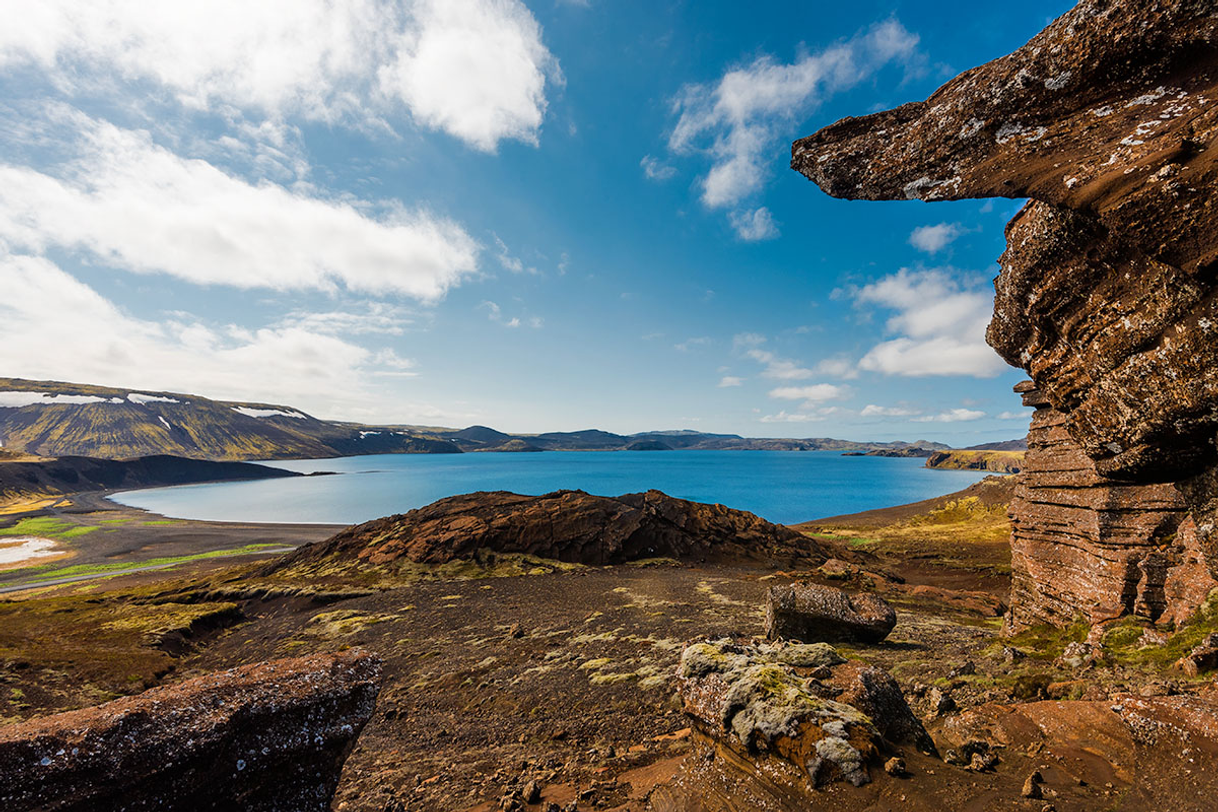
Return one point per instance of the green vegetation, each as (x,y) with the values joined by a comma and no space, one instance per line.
(1000,462)
(126,566)
(49,527)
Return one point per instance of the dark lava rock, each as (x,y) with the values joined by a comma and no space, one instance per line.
(814,613)
(568,526)
(269,737)
(1108,295)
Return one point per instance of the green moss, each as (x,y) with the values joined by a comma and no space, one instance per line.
(120,568)
(47,527)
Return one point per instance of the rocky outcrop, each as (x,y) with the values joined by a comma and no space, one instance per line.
(568,526)
(1085,544)
(1108,295)
(813,613)
(801,713)
(270,737)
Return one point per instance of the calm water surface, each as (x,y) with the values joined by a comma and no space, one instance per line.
(782,486)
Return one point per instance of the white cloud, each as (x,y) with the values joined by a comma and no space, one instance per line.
(951,416)
(378,317)
(509,262)
(840,367)
(738,120)
(754,225)
(1021,415)
(476,69)
(782,369)
(816,393)
(942,325)
(139,207)
(730,380)
(933,239)
(791,417)
(692,343)
(872,410)
(653,169)
(54,326)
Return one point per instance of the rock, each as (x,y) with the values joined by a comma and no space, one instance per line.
(821,613)
(966,669)
(747,699)
(838,570)
(1078,656)
(568,526)
(1201,659)
(532,793)
(269,737)
(940,702)
(895,766)
(1031,787)
(1107,292)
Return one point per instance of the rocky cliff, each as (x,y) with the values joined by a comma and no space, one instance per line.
(270,737)
(1107,297)
(568,526)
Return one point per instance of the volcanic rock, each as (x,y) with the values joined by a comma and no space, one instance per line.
(1108,295)
(269,737)
(568,526)
(751,702)
(812,613)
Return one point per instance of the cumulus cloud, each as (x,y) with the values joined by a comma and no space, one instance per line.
(872,410)
(776,367)
(54,326)
(137,206)
(476,69)
(840,367)
(730,380)
(791,417)
(933,239)
(654,169)
(816,393)
(1021,415)
(739,120)
(941,325)
(951,416)
(755,225)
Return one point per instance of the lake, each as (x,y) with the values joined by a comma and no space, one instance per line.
(782,486)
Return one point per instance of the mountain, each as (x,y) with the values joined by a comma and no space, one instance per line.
(59,419)
(55,419)
(1006,445)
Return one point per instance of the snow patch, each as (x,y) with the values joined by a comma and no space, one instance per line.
(364,434)
(164,422)
(267,412)
(16,400)
(140,398)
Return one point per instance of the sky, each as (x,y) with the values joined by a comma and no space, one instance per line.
(542,216)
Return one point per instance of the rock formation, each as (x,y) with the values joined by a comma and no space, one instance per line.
(270,737)
(568,526)
(1108,295)
(815,614)
(803,713)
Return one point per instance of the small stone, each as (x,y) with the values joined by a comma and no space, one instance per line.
(532,793)
(940,702)
(895,766)
(1031,787)
(967,669)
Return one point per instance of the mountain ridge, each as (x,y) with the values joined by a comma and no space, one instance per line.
(56,418)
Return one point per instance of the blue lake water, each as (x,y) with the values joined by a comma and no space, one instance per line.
(782,486)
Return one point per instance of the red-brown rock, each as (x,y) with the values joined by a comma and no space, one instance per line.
(569,526)
(1108,295)
(270,737)
(814,613)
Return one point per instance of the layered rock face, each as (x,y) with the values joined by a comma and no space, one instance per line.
(1108,294)
(270,737)
(568,526)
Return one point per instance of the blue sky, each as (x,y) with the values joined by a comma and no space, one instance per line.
(542,216)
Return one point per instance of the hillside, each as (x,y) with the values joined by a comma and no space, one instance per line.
(1000,462)
(53,419)
(60,419)
(21,480)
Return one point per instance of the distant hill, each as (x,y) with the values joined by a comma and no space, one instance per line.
(1000,462)
(1006,445)
(55,419)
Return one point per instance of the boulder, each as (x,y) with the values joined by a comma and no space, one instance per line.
(813,613)
(568,526)
(1107,295)
(269,737)
(774,706)
(1203,657)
